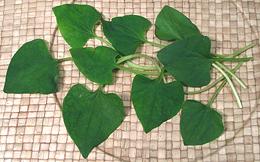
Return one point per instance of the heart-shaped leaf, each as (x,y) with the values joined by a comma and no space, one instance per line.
(188,60)
(173,25)
(95,63)
(154,101)
(32,70)
(199,124)
(126,33)
(90,117)
(76,23)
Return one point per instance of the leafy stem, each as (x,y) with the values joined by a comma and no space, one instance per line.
(234,91)
(137,71)
(231,59)
(213,84)
(215,95)
(237,52)
(101,87)
(211,100)
(122,37)
(155,44)
(146,67)
(241,50)
(161,76)
(137,55)
(232,74)
(64,59)
(104,41)
(130,57)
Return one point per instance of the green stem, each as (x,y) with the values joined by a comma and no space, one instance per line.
(215,95)
(241,50)
(136,71)
(146,67)
(64,59)
(232,74)
(101,87)
(155,44)
(221,55)
(104,41)
(230,84)
(237,52)
(161,76)
(227,59)
(130,57)
(213,84)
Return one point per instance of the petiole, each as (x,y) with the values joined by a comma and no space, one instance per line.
(230,84)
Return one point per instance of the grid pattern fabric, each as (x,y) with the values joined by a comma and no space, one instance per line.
(31,126)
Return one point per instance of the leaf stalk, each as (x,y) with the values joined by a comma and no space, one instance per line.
(103,40)
(230,84)
(237,52)
(155,44)
(231,59)
(130,57)
(213,84)
(64,59)
(137,71)
(232,74)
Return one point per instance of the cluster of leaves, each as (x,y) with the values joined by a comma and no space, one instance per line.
(91,116)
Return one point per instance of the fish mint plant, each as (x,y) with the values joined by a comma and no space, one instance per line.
(90,116)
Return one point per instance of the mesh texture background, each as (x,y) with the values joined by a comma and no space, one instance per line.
(31,126)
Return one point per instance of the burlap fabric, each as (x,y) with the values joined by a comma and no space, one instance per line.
(31,126)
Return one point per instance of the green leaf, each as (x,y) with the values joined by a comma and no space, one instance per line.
(90,117)
(76,23)
(126,33)
(188,60)
(173,25)
(32,70)
(199,124)
(95,63)
(155,101)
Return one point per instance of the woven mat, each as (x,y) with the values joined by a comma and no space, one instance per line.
(31,126)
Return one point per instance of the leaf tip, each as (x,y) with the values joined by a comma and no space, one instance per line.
(5,90)
(166,7)
(85,155)
(147,130)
